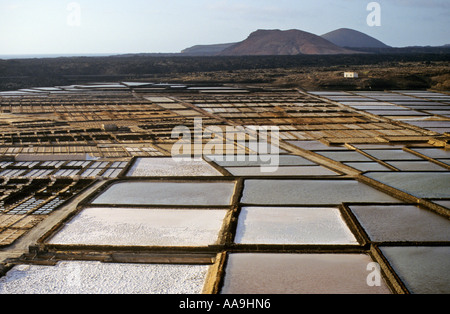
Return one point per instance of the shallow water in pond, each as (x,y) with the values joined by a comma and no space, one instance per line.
(424,270)
(419,184)
(309,192)
(401,223)
(168,193)
(292,225)
(298,273)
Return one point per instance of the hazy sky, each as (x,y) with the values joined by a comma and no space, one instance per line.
(133,26)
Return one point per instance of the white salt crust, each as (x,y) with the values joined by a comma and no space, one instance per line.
(142,227)
(167,166)
(104,278)
(292,225)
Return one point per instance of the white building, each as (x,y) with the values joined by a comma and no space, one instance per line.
(350,75)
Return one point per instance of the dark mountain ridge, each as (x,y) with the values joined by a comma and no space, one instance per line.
(345,37)
(291,42)
(278,42)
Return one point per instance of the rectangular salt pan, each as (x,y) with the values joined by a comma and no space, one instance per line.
(299,274)
(258,160)
(142,227)
(160,167)
(345,156)
(433,152)
(402,223)
(292,225)
(423,270)
(104,278)
(416,166)
(314,145)
(168,193)
(282,171)
(310,192)
(419,184)
(367,166)
(391,154)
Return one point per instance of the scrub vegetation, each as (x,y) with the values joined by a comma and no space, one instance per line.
(377,71)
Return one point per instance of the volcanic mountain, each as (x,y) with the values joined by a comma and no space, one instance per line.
(206,50)
(289,42)
(349,38)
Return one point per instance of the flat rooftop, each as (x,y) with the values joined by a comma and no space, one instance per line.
(134,187)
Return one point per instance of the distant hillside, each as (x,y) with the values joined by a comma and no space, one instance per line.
(206,50)
(350,38)
(290,42)
(296,42)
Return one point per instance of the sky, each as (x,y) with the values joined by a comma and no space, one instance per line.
(166,26)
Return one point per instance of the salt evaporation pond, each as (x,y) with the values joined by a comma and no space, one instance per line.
(310,192)
(167,166)
(168,193)
(271,273)
(142,227)
(258,160)
(402,223)
(292,225)
(419,184)
(424,270)
(282,171)
(91,277)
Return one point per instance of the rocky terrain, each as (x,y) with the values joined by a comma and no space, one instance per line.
(376,71)
(402,75)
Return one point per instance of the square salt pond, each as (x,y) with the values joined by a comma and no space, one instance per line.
(416,166)
(167,166)
(282,171)
(264,273)
(419,184)
(391,154)
(315,145)
(142,227)
(433,152)
(423,270)
(345,156)
(310,192)
(90,277)
(168,193)
(292,225)
(260,160)
(367,166)
(402,223)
